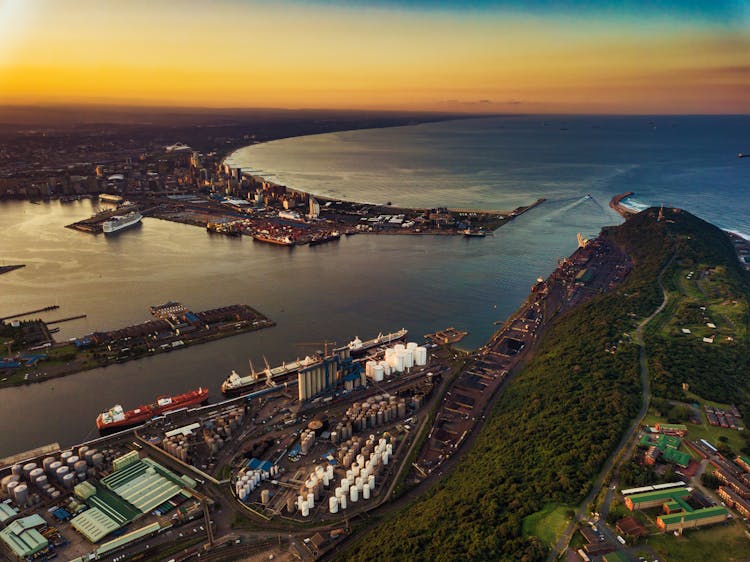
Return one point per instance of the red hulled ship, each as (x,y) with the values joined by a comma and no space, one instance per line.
(117,418)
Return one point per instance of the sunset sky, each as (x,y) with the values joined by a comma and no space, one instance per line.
(635,56)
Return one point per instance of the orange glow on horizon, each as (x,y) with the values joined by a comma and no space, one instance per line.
(331,57)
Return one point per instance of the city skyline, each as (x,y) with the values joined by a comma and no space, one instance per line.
(478,57)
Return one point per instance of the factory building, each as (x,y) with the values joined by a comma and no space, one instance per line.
(691,520)
(23,537)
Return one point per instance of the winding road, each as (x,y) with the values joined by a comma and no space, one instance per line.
(562,543)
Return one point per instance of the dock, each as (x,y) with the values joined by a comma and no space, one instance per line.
(446,336)
(68,319)
(9,268)
(30,312)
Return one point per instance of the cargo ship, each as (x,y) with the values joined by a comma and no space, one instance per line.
(479,232)
(359,347)
(116,418)
(270,239)
(322,238)
(236,384)
(118,222)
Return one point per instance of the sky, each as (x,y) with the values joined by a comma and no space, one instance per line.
(499,56)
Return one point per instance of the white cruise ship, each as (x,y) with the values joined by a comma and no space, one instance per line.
(118,222)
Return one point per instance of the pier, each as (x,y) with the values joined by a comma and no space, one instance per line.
(616,204)
(45,309)
(68,319)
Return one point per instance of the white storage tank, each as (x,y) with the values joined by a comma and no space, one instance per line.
(342,501)
(311,500)
(353,494)
(399,360)
(61,473)
(71,461)
(333,504)
(69,480)
(27,468)
(80,467)
(265,497)
(53,468)
(386,368)
(305,510)
(366,492)
(7,480)
(412,345)
(21,494)
(378,373)
(47,462)
(420,356)
(11,487)
(17,470)
(408,359)
(399,347)
(65,455)
(371,482)
(389,352)
(36,473)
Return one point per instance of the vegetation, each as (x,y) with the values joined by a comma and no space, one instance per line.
(559,419)
(549,523)
(721,543)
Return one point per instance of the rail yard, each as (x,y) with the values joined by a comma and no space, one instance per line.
(291,455)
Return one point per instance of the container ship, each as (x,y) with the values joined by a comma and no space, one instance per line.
(358,347)
(116,418)
(118,222)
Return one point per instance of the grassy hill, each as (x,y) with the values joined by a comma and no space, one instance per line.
(559,419)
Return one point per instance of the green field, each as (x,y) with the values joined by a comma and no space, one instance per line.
(547,524)
(721,543)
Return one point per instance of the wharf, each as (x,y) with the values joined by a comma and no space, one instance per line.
(30,312)
(68,319)
(446,336)
(9,268)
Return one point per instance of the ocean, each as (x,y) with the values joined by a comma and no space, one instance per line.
(362,284)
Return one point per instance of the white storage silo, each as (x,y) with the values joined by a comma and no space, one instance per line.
(371,482)
(36,473)
(305,510)
(353,494)
(21,494)
(27,468)
(61,472)
(399,361)
(342,501)
(69,480)
(408,359)
(333,504)
(311,500)
(386,368)
(378,372)
(389,352)
(420,356)
(399,347)
(366,492)
(345,485)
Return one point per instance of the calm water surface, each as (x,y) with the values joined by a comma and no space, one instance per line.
(360,285)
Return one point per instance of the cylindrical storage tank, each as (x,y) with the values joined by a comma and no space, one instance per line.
(360,483)
(366,492)
(420,356)
(11,487)
(411,345)
(345,485)
(350,474)
(53,468)
(386,368)
(36,473)
(353,494)
(326,480)
(71,461)
(369,366)
(333,504)
(21,494)
(27,468)
(305,510)
(371,482)
(7,480)
(389,352)
(55,495)
(47,462)
(98,459)
(399,347)
(290,505)
(385,458)
(399,362)
(408,359)
(378,373)
(69,480)
(82,451)
(61,472)
(17,470)
(65,455)
(265,497)
(402,409)
(342,501)
(80,467)
(311,500)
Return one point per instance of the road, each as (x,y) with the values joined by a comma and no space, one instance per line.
(616,455)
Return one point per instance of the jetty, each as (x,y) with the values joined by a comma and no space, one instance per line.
(616,204)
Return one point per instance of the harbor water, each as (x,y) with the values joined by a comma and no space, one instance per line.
(362,284)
